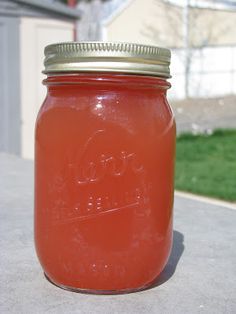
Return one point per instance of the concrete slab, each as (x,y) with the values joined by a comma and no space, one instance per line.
(199,277)
(204,114)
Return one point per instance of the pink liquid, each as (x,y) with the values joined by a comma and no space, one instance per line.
(104,169)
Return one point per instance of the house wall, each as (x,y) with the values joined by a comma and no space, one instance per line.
(35,34)
(211,35)
(10,121)
(210,27)
(147,22)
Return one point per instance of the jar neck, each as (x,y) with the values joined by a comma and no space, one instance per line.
(100,79)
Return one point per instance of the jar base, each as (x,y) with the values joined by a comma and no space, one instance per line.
(100,292)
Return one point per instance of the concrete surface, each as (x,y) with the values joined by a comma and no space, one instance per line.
(204,115)
(199,278)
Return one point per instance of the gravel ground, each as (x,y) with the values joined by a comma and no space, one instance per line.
(204,115)
(199,277)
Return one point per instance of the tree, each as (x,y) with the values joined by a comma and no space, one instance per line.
(93,13)
(191,29)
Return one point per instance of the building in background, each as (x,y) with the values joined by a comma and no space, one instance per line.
(26,27)
(90,26)
(201,35)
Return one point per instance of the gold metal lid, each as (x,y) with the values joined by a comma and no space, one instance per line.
(107,57)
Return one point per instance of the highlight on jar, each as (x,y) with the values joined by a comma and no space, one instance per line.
(104,167)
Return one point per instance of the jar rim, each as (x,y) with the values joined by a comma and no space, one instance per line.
(119,57)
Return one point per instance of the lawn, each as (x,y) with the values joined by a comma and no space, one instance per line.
(206,164)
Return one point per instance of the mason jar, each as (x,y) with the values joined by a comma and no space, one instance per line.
(104,166)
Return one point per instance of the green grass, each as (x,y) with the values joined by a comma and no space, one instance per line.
(206,164)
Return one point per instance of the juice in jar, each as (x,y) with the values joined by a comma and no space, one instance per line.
(104,168)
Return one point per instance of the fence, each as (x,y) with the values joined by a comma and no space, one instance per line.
(212,72)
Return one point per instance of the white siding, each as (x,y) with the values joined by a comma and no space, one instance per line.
(35,34)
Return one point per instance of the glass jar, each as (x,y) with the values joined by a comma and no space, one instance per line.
(104,167)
